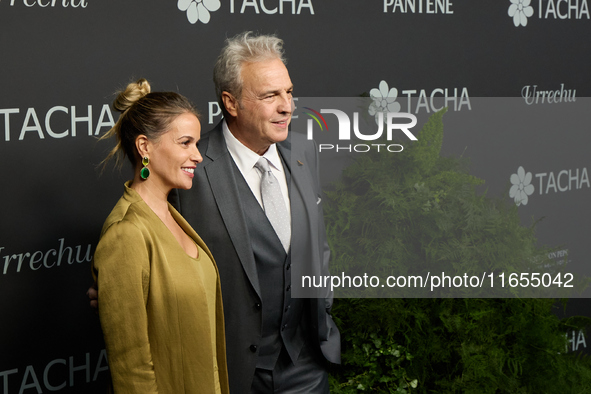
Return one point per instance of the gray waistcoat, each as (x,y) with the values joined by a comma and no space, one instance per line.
(281,315)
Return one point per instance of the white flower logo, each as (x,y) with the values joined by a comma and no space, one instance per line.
(198,10)
(384,101)
(522,187)
(520,10)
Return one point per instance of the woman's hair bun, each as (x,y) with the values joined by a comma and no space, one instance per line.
(143,113)
(132,93)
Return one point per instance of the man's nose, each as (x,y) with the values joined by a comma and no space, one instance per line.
(285,104)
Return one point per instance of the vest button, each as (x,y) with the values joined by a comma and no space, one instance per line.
(257,305)
(284,327)
(288,288)
(253,348)
(287,308)
(288,267)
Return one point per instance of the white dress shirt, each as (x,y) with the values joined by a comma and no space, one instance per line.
(245,160)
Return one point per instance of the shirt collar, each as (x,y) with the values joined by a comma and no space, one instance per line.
(244,157)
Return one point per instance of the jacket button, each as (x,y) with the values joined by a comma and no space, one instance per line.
(253,348)
(257,305)
(287,308)
(284,327)
(288,288)
(288,267)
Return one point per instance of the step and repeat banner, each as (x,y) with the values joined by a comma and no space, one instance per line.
(61,61)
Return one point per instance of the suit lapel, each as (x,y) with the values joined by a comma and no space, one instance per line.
(222,181)
(304,209)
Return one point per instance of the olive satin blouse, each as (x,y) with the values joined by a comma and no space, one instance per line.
(160,309)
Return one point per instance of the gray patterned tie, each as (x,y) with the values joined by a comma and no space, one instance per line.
(274,203)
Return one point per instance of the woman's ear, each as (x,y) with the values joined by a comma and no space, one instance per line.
(142,145)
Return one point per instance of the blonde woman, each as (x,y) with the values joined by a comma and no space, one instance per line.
(159,288)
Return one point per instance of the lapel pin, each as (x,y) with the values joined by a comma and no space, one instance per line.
(300,163)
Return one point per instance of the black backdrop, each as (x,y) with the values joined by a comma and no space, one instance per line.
(61,61)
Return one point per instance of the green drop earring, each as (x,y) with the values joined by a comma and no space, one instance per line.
(145,172)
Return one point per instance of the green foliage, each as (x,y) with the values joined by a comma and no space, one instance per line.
(374,364)
(456,346)
(372,357)
(416,212)
(405,213)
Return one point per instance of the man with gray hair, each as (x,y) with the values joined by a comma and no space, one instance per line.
(275,343)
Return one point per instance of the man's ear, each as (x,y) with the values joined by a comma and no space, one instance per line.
(143,146)
(230,103)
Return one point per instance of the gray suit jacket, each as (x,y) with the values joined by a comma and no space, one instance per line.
(214,210)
